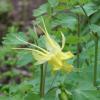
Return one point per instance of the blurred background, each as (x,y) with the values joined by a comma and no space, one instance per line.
(17,13)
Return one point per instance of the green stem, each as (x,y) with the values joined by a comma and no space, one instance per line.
(96,49)
(85,13)
(42,80)
(78,44)
(96,60)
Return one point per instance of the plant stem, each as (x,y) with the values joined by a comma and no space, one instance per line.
(78,44)
(96,60)
(85,13)
(96,50)
(42,80)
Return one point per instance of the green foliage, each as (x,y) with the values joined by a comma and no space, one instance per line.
(41,10)
(12,38)
(53,3)
(24,58)
(74,19)
(89,8)
(95,28)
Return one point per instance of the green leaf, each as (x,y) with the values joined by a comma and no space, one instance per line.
(74,39)
(95,28)
(89,8)
(32,96)
(53,3)
(41,10)
(65,20)
(16,97)
(86,95)
(51,95)
(4,98)
(21,88)
(24,58)
(11,39)
(41,41)
(33,34)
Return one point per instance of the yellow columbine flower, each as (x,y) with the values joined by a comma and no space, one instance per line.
(53,53)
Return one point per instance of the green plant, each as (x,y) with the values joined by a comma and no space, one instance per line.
(75,20)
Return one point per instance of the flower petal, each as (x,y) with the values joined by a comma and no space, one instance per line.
(55,68)
(68,68)
(41,57)
(50,43)
(67,55)
(55,60)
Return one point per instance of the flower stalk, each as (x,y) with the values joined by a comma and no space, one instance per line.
(78,44)
(43,69)
(95,60)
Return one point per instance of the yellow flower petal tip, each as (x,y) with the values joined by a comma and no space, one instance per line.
(70,54)
(69,68)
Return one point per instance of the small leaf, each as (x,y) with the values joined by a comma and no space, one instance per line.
(41,10)
(89,8)
(24,58)
(53,3)
(95,28)
(11,39)
(65,20)
(51,95)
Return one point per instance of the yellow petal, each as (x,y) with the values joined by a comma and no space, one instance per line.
(68,68)
(52,46)
(55,60)
(67,55)
(38,55)
(55,68)
(50,43)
